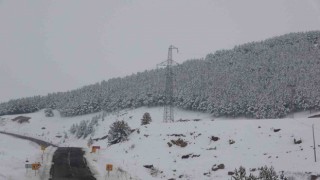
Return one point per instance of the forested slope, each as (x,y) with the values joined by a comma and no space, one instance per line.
(265,79)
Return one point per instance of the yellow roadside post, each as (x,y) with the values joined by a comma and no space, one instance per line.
(43,148)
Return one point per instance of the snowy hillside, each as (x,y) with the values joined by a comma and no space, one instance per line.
(255,143)
(268,79)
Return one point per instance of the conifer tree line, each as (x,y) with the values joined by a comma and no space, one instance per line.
(266,79)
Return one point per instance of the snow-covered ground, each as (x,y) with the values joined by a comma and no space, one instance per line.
(13,155)
(256,144)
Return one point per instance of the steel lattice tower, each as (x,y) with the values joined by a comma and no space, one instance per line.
(168,103)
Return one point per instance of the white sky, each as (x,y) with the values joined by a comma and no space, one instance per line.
(58,45)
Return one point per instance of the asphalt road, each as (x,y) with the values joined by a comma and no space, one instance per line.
(69,163)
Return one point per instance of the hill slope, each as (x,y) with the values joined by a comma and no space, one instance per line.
(256,143)
(267,79)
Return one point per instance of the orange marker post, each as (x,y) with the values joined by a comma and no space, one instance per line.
(35,167)
(109,168)
(94,148)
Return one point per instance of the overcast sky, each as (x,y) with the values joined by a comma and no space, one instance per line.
(58,45)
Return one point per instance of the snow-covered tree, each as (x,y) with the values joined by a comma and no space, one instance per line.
(90,141)
(90,128)
(146,119)
(73,128)
(119,131)
(82,128)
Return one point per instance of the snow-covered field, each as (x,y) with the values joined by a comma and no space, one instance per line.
(256,144)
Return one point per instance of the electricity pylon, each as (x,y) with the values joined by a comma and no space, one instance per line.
(168,102)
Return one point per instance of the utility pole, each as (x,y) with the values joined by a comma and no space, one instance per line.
(168,103)
(314,145)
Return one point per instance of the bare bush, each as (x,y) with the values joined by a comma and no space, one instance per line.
(179,142)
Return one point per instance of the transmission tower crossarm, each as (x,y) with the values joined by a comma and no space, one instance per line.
(169,61)
(165,63)
(173,47)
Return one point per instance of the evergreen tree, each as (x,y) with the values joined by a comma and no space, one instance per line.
(90,129)
(90,142)
(146,119)
(119,131)
(73,128)
(82,128)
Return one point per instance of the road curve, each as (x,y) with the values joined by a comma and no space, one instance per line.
(69,163)
(38,141)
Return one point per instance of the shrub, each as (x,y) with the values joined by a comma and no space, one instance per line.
(179,142)
(48,112)
(265,173)
(239,174)
(22,119)
(268,173)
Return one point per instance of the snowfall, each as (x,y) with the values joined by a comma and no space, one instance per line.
(255,144)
